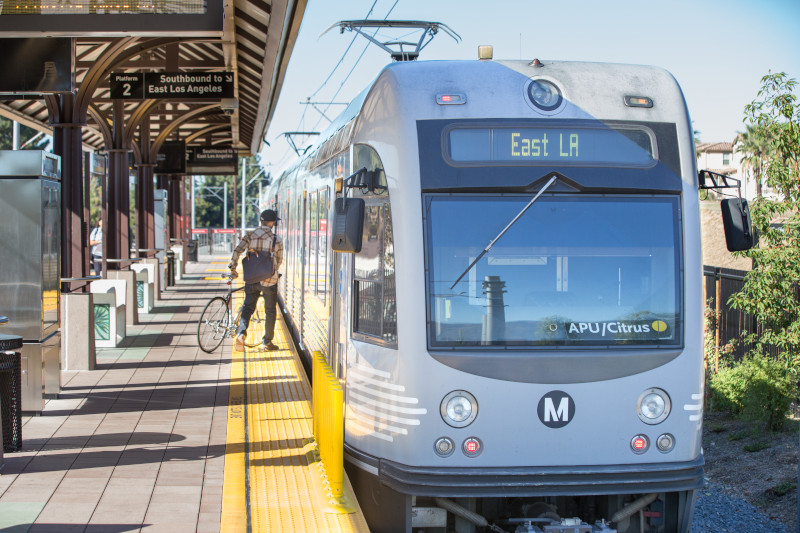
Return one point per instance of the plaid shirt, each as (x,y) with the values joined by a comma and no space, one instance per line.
(260,239)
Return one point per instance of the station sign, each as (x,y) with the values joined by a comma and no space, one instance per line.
(182,85)
(212,160)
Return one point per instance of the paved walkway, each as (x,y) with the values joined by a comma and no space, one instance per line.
(137,444)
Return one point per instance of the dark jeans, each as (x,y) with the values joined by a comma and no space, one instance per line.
(252,291)
(97,265)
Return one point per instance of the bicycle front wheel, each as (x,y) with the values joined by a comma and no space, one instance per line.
(213,324)
(255,329)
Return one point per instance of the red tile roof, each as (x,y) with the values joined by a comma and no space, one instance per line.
(715,147)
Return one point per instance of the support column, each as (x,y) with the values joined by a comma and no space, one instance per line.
(67,143)
(116,232)
(145,197)
(145,206)
(175,207)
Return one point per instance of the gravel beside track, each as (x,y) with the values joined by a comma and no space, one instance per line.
(716,512)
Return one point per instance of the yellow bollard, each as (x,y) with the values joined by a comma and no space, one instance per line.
(328,410)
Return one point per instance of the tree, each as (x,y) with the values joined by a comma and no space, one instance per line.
(7,135)
(209,201)
(756,145)
(770,293)
(209,197)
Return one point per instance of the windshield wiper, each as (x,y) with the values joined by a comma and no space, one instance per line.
(489,246)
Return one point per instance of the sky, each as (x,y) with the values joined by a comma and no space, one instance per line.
(717,50)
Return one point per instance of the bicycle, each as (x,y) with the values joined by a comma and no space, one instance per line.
(217,322)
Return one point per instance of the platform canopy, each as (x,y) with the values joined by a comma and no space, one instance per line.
(229,57)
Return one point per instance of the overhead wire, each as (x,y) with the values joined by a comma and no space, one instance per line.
(341,85)
(341,59)
(287,153)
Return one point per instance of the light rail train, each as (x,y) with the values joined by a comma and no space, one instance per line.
(501,260)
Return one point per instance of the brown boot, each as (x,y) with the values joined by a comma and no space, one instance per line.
(239,344)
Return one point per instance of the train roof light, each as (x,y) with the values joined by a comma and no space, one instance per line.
(638,101)
(451,99)
(485,52)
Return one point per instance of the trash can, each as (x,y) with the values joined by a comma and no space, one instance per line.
(11,392)
(191,250)
(170,268)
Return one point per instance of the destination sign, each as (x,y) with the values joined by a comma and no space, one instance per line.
(182,85)
(212,160)
(552,145)
(212,155)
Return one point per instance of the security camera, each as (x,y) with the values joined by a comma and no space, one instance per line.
(229,105)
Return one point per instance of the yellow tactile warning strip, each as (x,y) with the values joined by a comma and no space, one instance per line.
(271,480)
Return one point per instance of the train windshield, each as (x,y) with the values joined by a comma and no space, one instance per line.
(572,271)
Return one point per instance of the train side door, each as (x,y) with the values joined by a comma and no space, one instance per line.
(340,326)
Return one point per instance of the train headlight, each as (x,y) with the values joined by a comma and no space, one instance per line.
(653,406)
(459,408)
(544,95)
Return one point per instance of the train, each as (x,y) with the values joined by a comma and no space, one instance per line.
(501,261)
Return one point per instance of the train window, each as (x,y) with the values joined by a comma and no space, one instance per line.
(283,231)
(374,293)
(322,257)
(572,271)
(316,243)
(375,313)
(312,241)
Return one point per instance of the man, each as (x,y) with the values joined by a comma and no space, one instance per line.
(262,238)
(96,242)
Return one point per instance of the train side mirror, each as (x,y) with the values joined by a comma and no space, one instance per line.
(348,225)
(736,221)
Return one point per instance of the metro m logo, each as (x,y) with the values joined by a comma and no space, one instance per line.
(556,409)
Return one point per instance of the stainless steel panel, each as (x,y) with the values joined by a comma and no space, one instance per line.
(51,359)
(30,244)
(32,372)
(51,255)
(21,248)
(29,163)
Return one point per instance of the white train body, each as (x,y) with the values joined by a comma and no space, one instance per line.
(587,308)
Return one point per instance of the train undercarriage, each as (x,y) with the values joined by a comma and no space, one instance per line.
(389,511)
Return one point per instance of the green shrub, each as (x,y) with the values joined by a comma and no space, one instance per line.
(755,447)
(727,388)
(738,435)
(783,488)
(757,388)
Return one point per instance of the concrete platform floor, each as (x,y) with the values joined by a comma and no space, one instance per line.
(137,444)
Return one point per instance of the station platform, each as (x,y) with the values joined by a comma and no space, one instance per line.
(163,437)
